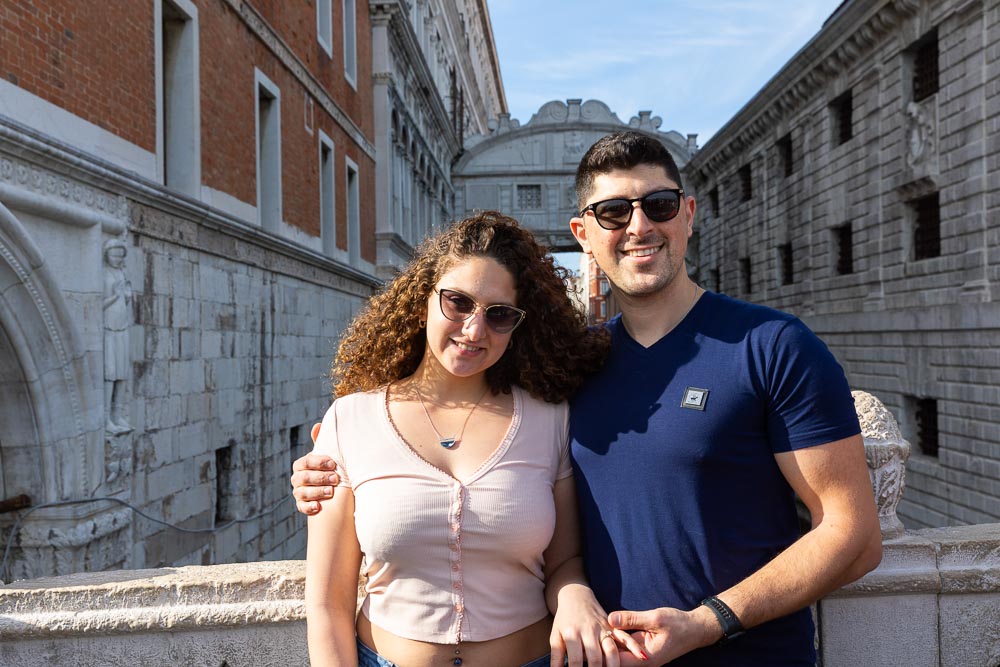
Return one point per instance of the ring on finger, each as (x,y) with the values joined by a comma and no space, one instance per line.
(606,634)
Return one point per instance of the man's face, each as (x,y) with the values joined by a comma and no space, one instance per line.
(643,257)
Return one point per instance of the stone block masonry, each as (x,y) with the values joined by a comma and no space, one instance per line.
(893,232)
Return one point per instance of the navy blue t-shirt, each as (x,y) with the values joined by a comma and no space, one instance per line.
(674,445)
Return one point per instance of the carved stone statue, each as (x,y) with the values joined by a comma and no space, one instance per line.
(886,451)
(117,318)
(920,134)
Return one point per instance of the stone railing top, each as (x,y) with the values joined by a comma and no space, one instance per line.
(130,600)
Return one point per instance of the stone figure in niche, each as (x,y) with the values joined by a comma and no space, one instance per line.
(920,131)
(117,318)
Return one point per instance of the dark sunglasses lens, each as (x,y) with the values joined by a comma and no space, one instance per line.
(502,318)
(456,306)
(617,211)
(661,206)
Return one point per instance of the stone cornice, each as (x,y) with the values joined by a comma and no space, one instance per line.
(291,62)
(850,35)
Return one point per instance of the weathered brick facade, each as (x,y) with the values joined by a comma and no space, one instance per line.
(883,231)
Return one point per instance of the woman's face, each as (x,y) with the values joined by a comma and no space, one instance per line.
(467,348)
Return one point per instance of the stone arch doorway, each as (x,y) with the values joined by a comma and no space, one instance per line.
(50,431)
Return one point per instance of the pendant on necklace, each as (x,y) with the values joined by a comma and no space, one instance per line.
(447,443)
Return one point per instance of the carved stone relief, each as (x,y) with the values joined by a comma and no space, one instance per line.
(886,452)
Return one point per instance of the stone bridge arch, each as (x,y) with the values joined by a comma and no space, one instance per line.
(527,171)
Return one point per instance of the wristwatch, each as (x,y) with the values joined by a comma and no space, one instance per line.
(731,626)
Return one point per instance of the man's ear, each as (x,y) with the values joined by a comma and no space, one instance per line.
(691,206)
(580,233)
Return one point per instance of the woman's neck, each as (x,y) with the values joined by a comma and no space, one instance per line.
(441,387)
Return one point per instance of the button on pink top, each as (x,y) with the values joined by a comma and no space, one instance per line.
(450,560)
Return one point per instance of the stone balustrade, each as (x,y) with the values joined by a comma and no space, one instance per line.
(933,602)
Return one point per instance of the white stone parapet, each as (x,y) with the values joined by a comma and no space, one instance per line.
(934,601)
(238,614)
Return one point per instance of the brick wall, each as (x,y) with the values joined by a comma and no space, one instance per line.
(98,65)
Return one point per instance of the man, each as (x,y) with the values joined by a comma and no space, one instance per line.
(690,444)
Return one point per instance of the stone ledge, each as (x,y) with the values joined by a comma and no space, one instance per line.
(194,597)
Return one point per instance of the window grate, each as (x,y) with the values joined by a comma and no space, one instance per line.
(529,196)
(925,68)
(784,146)
(927,230)
(787,268)
(843,117)
(927,426)
(746,183)
(845,249)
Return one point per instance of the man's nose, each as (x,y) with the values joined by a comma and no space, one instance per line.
(639,225)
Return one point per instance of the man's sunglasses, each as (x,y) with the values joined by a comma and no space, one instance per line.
(658,206)
(459,307)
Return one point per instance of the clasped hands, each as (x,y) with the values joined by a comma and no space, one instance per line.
(581,631)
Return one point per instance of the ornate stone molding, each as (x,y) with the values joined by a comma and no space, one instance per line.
(291,62)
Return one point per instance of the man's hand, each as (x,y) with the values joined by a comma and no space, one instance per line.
(665,633)
(313,479)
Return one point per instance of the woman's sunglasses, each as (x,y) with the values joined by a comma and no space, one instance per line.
(459,307)
(658,206)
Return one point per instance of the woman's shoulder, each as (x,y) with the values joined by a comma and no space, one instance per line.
(539,406)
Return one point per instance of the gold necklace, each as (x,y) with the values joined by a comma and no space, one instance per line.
(448,443)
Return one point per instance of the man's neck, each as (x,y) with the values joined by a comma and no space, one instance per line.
(648,318)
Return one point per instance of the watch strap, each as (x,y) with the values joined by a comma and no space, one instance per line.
(731,626)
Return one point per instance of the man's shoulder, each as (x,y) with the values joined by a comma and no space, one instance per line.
(742,313)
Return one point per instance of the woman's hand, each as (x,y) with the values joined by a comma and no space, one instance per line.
(581,632)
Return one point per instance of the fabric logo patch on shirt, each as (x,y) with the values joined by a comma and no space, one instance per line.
(695,398)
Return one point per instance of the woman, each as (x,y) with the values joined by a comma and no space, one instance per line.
(449,432)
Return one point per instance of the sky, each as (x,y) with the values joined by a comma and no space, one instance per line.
(693,63)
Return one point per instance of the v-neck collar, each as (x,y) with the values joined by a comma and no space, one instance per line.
(682,328)
(484,467)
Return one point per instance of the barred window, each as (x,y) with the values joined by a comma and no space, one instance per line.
(925,67)
(746,183)
(785,258)
(784,147)
(927,227)
(927,426)
(842,111)
(529,196)
(844,247)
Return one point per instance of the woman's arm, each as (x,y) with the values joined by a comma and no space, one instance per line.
(580,630)
(333,562)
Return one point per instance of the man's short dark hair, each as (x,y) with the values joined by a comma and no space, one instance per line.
(622,150)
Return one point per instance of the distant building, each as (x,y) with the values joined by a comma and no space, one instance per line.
(436,81)
(858,190)
(191,210)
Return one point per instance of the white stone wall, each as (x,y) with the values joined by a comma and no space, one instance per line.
(902,328)
(230,344)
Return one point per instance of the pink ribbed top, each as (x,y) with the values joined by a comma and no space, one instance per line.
(450,560)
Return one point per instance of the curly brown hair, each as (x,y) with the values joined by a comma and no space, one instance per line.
(552,351)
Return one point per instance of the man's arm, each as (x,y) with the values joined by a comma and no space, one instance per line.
(845,542)
(313,479)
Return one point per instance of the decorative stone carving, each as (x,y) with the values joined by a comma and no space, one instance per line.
(919,134)
(886,452)
(117,318)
